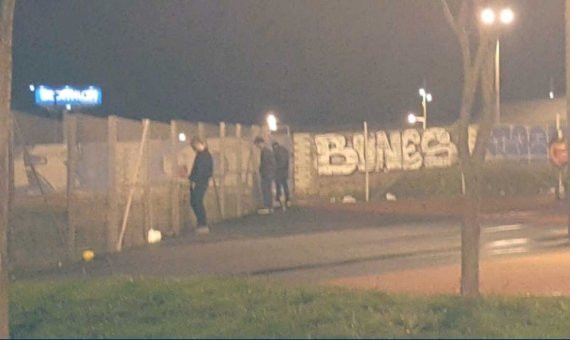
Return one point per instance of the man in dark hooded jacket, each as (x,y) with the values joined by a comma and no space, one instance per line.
(267,168)
(202,170)
(282,173)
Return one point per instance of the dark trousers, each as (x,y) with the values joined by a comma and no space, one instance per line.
(266,192)
(281,183)
(197,202)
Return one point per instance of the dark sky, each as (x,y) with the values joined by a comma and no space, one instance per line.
(316,61)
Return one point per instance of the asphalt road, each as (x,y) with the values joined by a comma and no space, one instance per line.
(305,245)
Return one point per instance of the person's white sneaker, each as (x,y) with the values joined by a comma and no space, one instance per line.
(264,211)
(202,230)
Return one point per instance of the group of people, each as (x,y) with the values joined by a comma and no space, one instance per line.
(273,168)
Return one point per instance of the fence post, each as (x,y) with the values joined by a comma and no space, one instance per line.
(201,132)
(366,174)
(11,178)
(223,169)
(239,166)
(256,131)
(174,186)
(146,181)
(70,123)
(112,192)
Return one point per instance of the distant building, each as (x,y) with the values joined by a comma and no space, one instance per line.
(534,112)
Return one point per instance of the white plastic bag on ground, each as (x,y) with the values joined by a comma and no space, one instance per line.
(154,236)
(348,199)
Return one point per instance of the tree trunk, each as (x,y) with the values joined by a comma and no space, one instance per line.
(567,19)
(470,233)
(6,19)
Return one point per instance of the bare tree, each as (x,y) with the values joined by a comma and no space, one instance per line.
(6,20)
(567,17)
(477,69)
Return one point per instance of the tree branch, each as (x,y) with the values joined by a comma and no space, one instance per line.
(450,18)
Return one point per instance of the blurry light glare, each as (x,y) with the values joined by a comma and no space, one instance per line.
(32,87)
(507,16)
(429,97)
(272,122)
(551,95)
(488,16)
(412,119)
(182,137)
(68,107)
(422,92)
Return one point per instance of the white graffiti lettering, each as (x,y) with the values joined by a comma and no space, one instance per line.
(395,150)
(411,157)
(389,152)
(333,156)
(439,151)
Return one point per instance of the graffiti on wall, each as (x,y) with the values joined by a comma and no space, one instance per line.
(413,149)
(520,142)
(338,154)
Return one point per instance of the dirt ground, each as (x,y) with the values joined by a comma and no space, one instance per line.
(546,274)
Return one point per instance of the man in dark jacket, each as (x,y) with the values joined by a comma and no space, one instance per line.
(202,170)
(282,174)
(267,168)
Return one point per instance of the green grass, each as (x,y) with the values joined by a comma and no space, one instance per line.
(500,178)
(155,308)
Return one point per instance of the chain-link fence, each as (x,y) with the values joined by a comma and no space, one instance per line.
(97,183)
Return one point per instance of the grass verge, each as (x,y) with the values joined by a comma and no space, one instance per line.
(234,307)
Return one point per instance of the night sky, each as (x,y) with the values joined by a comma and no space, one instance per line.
(317,62)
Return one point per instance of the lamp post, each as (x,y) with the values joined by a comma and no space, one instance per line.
(271,120)
(413,119)
(489,18)
(273,124)
(426,98)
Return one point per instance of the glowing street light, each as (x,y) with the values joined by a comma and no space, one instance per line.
(413,119)
(488,16)
(271,122)
(426,98)
(506,17)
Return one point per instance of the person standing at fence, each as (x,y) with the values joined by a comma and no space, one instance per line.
(282,174)
(202,171)
(267,168)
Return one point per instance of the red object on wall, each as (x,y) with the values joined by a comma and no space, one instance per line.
(557,153)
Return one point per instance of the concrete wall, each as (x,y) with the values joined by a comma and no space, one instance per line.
(333,164)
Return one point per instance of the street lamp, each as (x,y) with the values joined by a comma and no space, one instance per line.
(271,122)
(413,119)
(426,98)
(488,18)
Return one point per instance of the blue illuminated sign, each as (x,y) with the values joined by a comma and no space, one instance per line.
(68,96)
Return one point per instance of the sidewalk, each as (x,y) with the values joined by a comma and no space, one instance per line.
(546,274)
